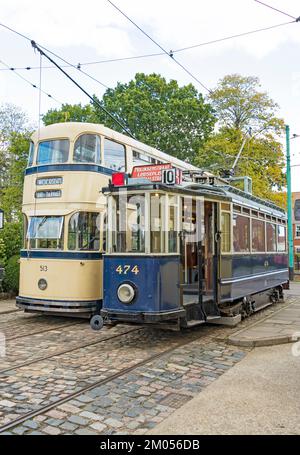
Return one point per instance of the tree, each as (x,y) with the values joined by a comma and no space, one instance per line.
(261,159)
(240,105)
(12,189)
(173,119)
(71,113)
(245,112)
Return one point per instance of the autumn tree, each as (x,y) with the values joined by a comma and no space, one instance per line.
(243,111)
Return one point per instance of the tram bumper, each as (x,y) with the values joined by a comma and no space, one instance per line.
(139,317)
(55,307)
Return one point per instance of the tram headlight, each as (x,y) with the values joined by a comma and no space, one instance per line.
(42,284)
(126,293)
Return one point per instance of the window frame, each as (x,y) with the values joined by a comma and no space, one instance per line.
(53,162)
(104,154)
(101,140)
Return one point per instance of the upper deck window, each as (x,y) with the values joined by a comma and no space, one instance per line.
(114,155)
(139,158)
(30,154)
(87,149)
(53,152)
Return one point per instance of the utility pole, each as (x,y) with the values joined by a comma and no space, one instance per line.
(289,204)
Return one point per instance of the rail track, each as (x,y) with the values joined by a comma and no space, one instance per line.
(43,409)
(66,351)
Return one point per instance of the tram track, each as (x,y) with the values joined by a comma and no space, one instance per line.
(101,382)
(13,327)
(66,351)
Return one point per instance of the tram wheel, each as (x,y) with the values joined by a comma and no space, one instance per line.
(96,322)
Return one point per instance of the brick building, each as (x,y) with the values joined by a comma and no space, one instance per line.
(296,229)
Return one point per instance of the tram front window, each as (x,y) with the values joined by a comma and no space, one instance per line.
(129,225)
(30,154)
(84,231)
(45,232)
(53,152)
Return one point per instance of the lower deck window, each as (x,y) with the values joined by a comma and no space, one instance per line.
(241,233)
(84,231)
(226,234)
(45,232)
(258,236)
(129,225)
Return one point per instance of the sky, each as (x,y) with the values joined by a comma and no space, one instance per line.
(93,30)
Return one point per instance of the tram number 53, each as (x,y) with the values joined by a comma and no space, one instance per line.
(124,270)
(43,268)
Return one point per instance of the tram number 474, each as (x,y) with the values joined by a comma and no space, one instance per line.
(125,269)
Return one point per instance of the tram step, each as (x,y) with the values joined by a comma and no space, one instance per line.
(212,318)
(194,322)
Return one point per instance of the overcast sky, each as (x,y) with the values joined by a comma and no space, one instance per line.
(93,30)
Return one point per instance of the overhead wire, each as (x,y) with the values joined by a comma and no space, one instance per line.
(30,83)
(278,10)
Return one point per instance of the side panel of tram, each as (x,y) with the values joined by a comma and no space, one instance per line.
(158,270)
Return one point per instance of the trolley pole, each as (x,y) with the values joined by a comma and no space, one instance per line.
(289,204)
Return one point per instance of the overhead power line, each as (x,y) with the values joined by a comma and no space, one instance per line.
(297,19)
(30,83)
(94,101)
(137,57)
(169,53)
(56,55)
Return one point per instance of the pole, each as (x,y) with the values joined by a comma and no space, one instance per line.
(289,204)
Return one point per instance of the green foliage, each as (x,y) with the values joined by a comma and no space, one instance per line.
(11,240)
(12,275)
(240,105)
(261,159)
(240,108)
(173,119)
(71,113)
(2,252)
(12,186)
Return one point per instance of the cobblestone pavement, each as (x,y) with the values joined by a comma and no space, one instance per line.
(132,403)
(19,324)
(58,340)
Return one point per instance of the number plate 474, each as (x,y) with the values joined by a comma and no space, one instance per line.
(125,269)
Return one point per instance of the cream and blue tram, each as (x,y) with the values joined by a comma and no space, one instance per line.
(188,254)
(64,213)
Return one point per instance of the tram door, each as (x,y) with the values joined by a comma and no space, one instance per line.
(200,253)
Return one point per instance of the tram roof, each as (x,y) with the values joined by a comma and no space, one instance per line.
(222,192)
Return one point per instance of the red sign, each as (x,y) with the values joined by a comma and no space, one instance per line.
(152,172)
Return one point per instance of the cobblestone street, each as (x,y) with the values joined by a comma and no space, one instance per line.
(60,377)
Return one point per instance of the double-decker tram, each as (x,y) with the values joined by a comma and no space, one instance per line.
(190,253)
(64,213)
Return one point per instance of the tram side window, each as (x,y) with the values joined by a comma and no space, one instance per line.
(45,232)
(53,152)
(140,158)
(173,224)
(156,223)
(129,225)
(281,238)
(30,154)
(271,237)
(258,235)
(226,232)
(87,149)
(84,231)
(114,155)
(241,233)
